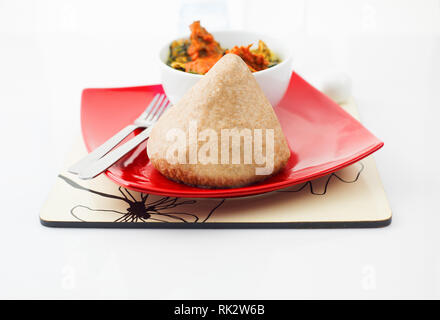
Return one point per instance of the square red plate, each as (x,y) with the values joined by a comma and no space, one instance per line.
(323,138)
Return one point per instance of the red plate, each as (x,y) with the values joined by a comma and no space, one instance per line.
(322,136)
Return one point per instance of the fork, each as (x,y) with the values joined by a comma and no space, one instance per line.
(104,156)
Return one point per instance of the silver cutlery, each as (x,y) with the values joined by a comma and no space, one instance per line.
(104,156)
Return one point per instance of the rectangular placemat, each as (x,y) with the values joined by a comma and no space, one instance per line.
(350,198)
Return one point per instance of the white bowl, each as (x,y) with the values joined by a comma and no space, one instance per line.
(273,81)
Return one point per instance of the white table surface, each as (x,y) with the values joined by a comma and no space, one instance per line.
(51,50)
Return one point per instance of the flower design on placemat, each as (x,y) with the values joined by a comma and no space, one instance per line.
(141,207)
(164,209)
(329,177)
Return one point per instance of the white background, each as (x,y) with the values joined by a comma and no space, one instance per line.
(51,50)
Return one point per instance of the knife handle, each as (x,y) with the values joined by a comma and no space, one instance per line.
(110,158)
(102,150)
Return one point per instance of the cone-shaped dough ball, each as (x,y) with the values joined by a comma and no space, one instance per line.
(227,97)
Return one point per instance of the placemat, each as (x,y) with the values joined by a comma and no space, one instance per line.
(350,198)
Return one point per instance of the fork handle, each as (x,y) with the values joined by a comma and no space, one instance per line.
(109,159)
(102,150)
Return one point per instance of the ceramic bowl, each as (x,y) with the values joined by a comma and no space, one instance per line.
(273,81)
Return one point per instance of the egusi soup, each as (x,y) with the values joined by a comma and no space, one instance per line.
(200,52)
